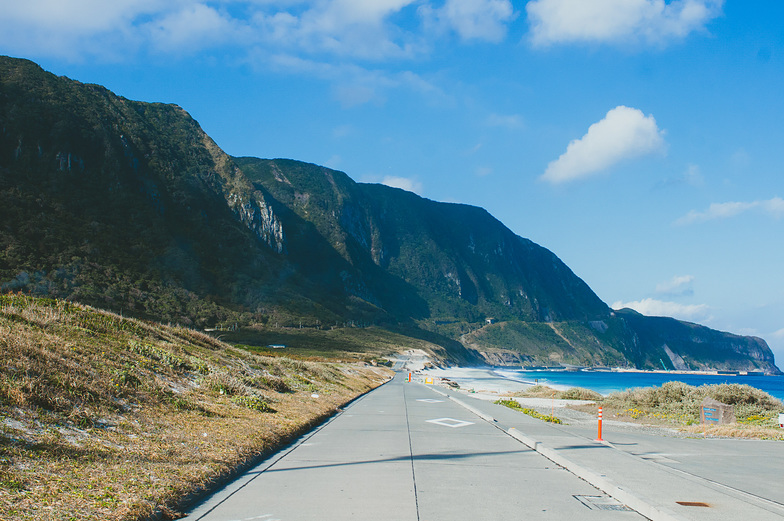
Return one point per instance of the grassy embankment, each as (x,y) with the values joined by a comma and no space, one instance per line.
(676,404)
(367,344)
(104,417)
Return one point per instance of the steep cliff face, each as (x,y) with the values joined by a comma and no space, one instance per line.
(694,347)
(131,206)
(459,258)
(99,191)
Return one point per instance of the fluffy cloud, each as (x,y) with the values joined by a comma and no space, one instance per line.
(773,207)
(659,308)
(72,29)
(78,28)
(192,28)
(650,21)
(624,133)
(355,28)
(678,285)
(404,183)
(473,19)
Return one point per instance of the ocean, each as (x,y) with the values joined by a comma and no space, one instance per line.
(606,382)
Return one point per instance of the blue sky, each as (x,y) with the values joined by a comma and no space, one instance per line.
(639,140)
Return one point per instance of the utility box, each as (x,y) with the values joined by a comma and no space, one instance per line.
(713,412)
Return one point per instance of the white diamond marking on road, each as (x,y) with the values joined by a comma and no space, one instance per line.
(430,400)
(450,422)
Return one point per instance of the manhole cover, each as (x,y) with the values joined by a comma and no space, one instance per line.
(601,503)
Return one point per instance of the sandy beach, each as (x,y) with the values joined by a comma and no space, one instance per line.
(487,384)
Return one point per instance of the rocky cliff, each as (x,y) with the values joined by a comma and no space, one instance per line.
(132,207)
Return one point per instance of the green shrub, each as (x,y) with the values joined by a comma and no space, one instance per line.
(578,393)
(679,402)
(512,404)
(253,402)
(224,383)
(161,355)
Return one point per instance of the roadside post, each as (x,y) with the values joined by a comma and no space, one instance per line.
(409,377)
(781,421)
(599,438)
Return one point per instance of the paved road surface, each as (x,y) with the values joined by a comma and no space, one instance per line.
(404,452)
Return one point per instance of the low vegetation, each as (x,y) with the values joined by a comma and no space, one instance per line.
(512,404)
(676,403)
(367,344)
(543,391)
(104,417)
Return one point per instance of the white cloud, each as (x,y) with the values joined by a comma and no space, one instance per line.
(73,29)
(510,121)
(352,84)
(78,28)
(355,28)
(331,40)
(474,19)
(772,207)
(659,308)
(678,285)
(77,15)
(404,183)
(624,133)
(193,28)
(615,21)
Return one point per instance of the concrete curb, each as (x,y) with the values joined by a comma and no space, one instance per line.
(485,417)
(479,413)
(599,481)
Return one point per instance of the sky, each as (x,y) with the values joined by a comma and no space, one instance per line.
(639,140)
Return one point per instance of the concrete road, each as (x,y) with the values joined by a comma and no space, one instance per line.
(663,478)
(404,452)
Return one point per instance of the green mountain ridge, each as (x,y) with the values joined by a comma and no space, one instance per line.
(130,206)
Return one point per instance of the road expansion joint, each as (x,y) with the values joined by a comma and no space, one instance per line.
(411,453)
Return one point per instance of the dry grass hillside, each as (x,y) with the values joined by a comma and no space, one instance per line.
(104,417)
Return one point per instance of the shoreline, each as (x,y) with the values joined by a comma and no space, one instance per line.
(499,380)
(699,372)
(486,384)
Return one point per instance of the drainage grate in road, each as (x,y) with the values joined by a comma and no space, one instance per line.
(601,503)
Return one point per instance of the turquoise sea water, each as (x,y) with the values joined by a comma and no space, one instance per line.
(609,382)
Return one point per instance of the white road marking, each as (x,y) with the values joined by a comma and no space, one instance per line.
(450,422)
